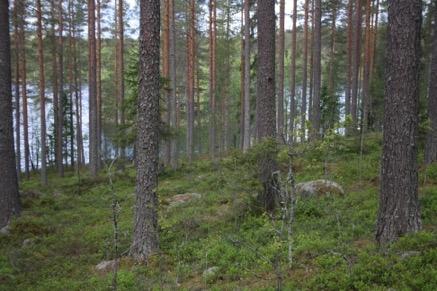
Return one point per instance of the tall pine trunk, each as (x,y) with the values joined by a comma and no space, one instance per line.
(280,95)
(42,98)
(172,74)
(356,62)
(190,76)
(317,69)
(431,142)
(146,236)
(246,98)
(92,89)
(293,73)
(212,77)
(9,197)
(398,203)
(265,100)
(305,76)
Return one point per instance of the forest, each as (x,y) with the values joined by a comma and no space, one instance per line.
(218,145)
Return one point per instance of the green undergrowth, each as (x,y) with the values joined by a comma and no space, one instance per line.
(66,229)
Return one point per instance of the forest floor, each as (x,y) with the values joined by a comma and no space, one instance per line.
(219,240)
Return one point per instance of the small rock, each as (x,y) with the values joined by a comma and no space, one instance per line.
(409,254)
(183,198)
(318,188)
(106,266)
(27,242)
(5,230)
(210,273)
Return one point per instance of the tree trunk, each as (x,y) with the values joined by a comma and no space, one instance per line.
(42,98)
(367,68)
(99,77)
(265,101)
(227,81)
(60,126)
(212,78)
(92,89)
(173,99)
(190,76)
(305,75)
(398,204)
(293,73)
(23,73)
(311,72)
(9,197)
(246,99)
(241,117)
(280,99)
(17,91)
(166,72)
(146,236)
(348,90)
(120,68)
(317,69)
(356,52)
(431,142)
(71,82)
(331,77)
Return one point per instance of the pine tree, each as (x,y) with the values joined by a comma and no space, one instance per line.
(146,236)
(398,203)
(9,197)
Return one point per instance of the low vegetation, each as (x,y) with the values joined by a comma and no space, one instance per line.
(222,240)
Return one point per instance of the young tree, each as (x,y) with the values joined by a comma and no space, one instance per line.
(92,89)
(317,68)
(145,238)
(293,72)
(398,203)
(280,95)
(431,142)
(42,98)
(191,46)
(246,97)
(265,99)
(9,197)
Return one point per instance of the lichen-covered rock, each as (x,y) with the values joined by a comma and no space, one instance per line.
(318,188)
(106,266)
(182,199)
(211,273)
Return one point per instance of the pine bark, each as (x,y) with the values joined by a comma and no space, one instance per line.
(92,89)
(9,197)
(348,89)
(431,142)
(367,68)
(23,73)
(305,76)
(331,77)
(190,76)
(120,68)
(146,236)
(317,69)
(166,72)
(99,75)
(60,76)
(293,73)
(398,203)
(17,91)
(356,63)
(246,98)
(172,73)
(212,78)
(265,101)
(42,98)
(280,96)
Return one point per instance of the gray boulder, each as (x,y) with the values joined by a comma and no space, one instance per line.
(106,266)
(318,188)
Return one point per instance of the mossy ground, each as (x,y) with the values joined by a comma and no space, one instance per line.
(71,230)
